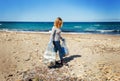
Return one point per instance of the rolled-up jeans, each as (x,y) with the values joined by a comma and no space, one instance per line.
(58,48)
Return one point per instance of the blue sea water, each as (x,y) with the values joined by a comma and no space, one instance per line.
(71,27)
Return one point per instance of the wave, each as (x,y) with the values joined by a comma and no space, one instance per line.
(22,31)
(102,31)
(91,31)
(11,30)
(77,26)
(97,25)
(108,31)
(50,31)
(4,30)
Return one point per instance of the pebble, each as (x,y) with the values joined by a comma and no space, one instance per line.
(14,52)
(37,43)
(10,75)
(27,57)
(9,39)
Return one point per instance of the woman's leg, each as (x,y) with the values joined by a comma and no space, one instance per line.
(58,47)
(55,47)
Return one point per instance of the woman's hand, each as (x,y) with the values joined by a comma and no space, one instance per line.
(63,39)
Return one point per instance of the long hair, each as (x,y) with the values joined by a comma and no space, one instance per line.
(58,22)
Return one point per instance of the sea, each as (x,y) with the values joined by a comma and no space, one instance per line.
(68,27)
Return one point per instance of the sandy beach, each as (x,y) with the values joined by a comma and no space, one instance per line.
(92,57)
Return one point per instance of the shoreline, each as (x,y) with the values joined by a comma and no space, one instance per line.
(69,33)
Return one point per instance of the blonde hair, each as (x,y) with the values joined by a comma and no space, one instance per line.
(58,22)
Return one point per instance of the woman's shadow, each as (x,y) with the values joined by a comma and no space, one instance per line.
(66,59)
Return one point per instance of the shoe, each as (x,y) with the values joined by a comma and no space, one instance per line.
(64,63)
(57,62)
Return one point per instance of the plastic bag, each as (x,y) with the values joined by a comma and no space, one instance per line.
(64,48)
(49,55)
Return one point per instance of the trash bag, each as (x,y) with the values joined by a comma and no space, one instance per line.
(64,48)
(49,55)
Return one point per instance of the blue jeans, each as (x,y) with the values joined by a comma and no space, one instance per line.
(58,48)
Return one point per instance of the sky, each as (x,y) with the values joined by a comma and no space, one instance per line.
(68,10)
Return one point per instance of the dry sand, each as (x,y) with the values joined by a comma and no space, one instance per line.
(92,57)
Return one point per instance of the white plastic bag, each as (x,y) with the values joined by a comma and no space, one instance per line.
(49,55)
(64,48)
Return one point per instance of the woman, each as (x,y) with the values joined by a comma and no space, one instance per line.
(56,37)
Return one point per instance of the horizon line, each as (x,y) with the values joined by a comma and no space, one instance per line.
(63,21)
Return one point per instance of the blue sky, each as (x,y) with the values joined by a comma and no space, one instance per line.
(68,10)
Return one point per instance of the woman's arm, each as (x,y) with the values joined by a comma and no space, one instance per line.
(61,37)
(52,34)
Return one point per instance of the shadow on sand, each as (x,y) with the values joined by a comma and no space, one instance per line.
(66,59)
